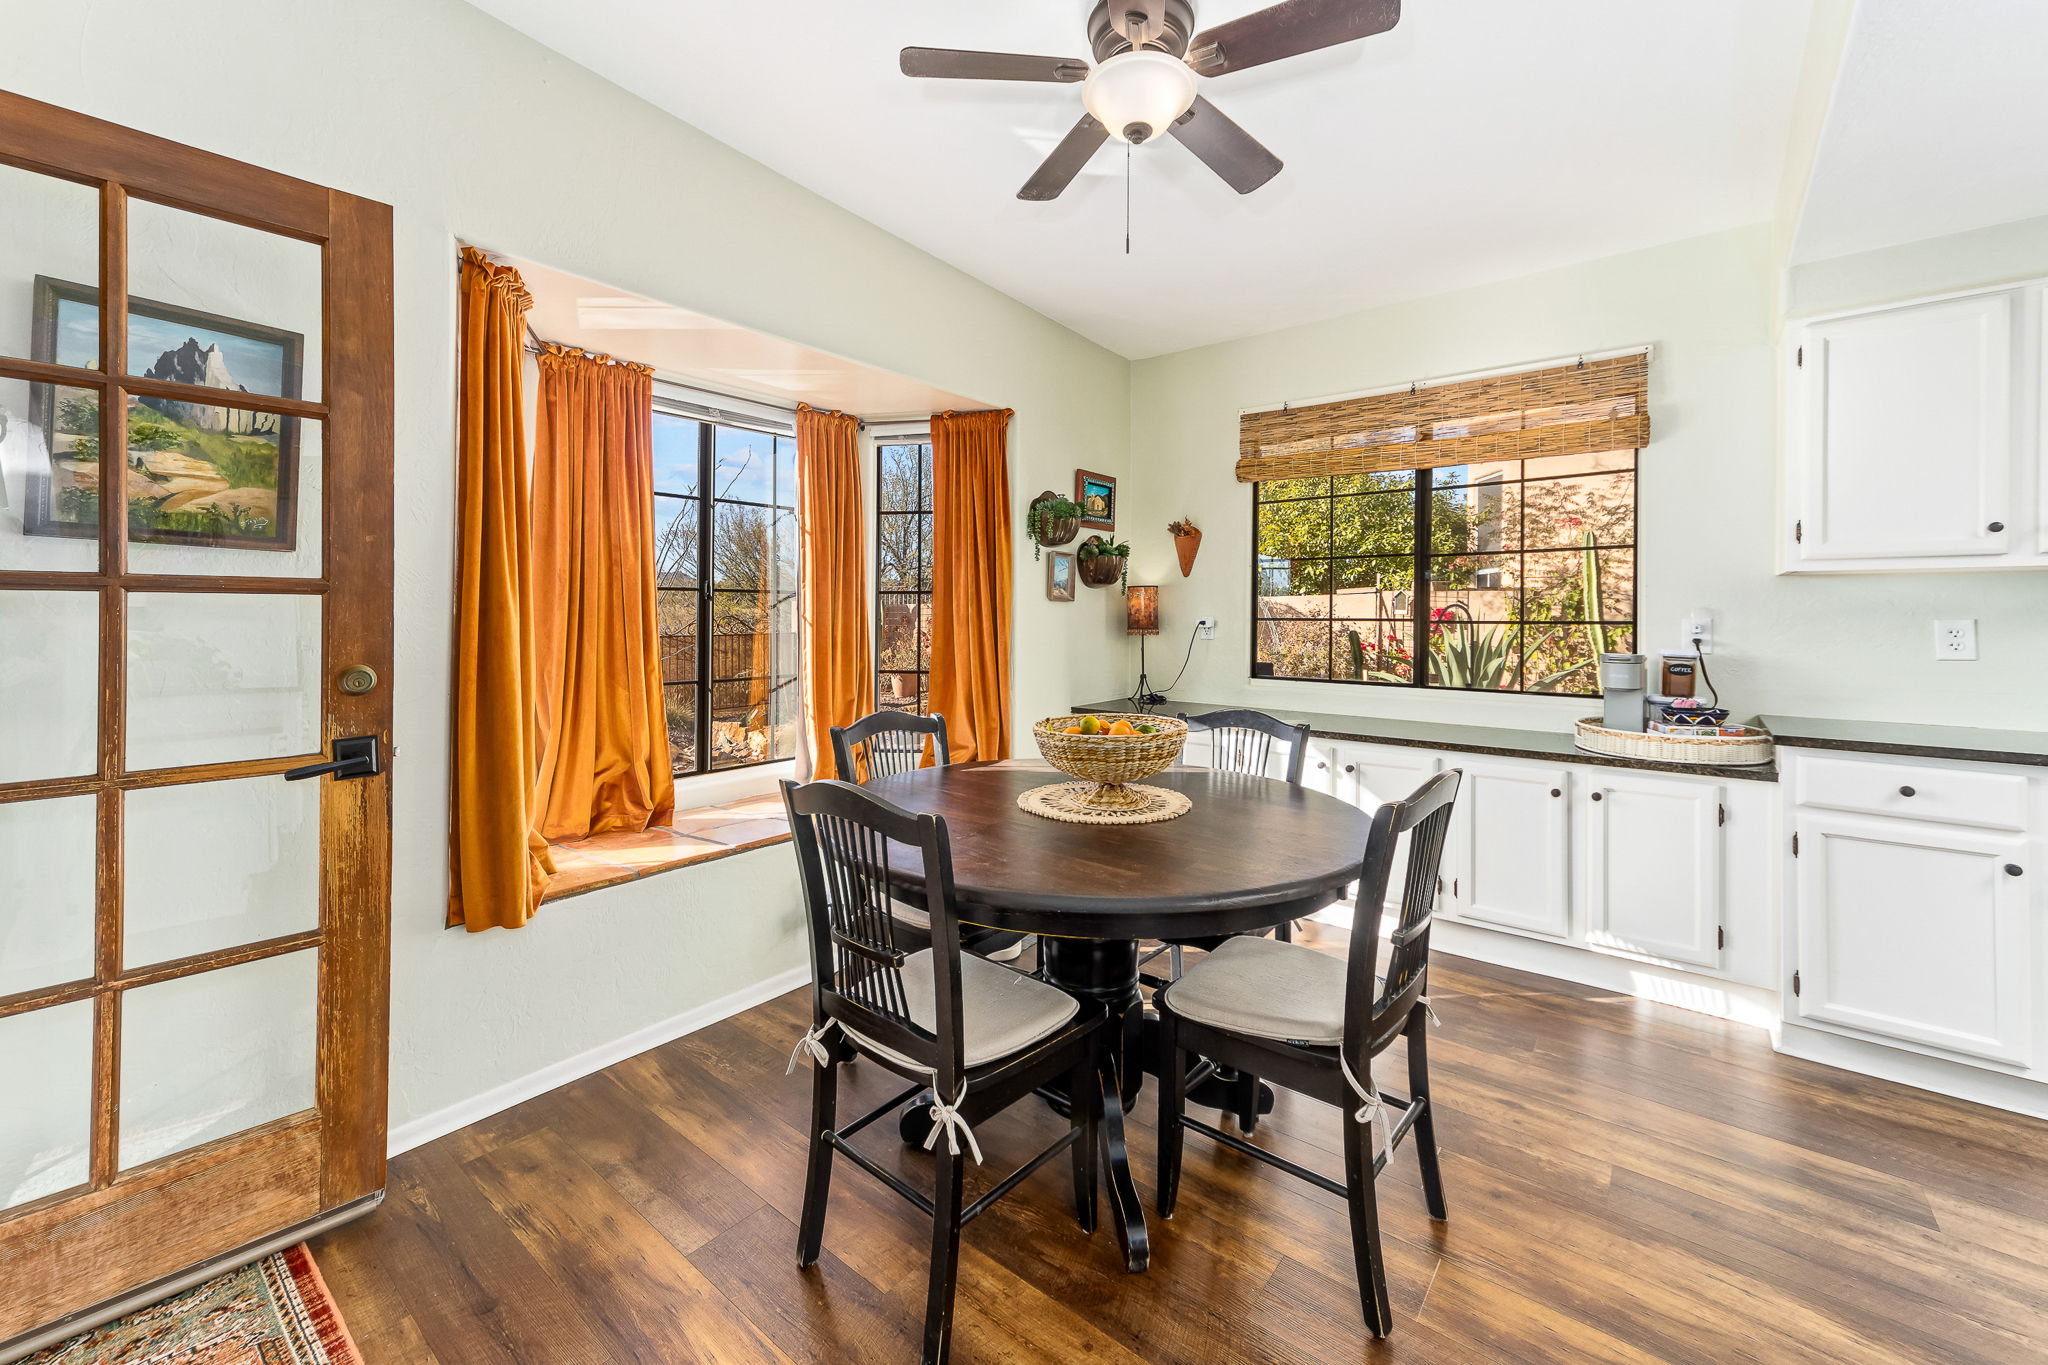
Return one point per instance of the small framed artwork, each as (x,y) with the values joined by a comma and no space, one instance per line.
(1059,577)
(1097,495)
(195,473)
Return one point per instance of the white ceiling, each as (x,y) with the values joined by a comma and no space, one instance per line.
(1480,140)
(704,352)
(1939,124)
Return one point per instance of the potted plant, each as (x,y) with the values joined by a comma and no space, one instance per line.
(1104,562)
(1052,520)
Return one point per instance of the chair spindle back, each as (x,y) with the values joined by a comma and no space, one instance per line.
(886,744)
(1376,1010)
(1242,742)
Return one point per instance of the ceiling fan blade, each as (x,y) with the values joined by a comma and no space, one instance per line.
(1067,159)
(1288,30)
(1241,159)
(953,63)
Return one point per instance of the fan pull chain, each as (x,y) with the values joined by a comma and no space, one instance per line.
(1127,198)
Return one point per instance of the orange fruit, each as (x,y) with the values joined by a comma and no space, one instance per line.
(1071,730)
(1122,727)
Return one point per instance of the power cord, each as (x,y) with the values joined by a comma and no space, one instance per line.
(1713,693)
(1136,698)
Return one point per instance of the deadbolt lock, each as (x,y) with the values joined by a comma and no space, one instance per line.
(357,679)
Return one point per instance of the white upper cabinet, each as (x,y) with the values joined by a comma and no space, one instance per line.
(1653,867)
(1904,427)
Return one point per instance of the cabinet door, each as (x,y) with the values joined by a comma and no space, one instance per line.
(1369,776)
(1512,858)
(1902,447)
(1653,867)
(1917,932)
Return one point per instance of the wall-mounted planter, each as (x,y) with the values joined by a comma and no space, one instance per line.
(1099,568)
(1187,538)
(1051,520)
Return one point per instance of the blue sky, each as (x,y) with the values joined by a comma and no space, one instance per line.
(257,366)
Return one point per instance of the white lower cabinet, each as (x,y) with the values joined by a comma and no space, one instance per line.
(1369,776)
(1653,867)
(1915,931)
(1509,861)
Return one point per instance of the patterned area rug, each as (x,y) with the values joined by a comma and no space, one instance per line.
(274,1312)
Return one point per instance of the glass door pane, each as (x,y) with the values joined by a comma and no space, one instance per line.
(46,1122)
(49,235)
(49,684)
(50,876)
(214,865)
(217,677)
(216,1053)
(49,478)
(222,491)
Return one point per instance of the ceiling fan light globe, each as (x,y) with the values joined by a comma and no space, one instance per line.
(1142,92)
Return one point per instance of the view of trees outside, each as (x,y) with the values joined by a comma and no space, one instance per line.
(903,576)
(1530,574)
(743,602)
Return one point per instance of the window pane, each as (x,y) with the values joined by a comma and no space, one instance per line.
(675,454)
(1275,490)
(1371,588)
(1563,659)
(785,471)
(1476,654)
(49,476)
(49,684)
(901,692)
(1483,587)
(1552,466)
(46,918)
(1381,524)
(1296,648)
(743,464)
(1295,530)
(220,491)
(50,233)
(899,486)
(682,727)
(1374,651)
(1295,588)
(675,542)
(897,552)
(745,546)
(1480,518)
(905,635)
(1564,512)
(46,1124)
(1380,481)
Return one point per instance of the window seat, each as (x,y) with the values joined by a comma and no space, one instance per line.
(693,836)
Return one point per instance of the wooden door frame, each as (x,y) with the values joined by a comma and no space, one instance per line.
(76,1271)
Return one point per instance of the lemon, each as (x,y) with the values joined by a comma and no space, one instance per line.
(1090,725)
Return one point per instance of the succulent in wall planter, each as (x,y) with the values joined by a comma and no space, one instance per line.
(1187,538)
(1052,520)
(1104,562)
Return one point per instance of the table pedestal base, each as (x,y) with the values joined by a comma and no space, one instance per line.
(1106,971)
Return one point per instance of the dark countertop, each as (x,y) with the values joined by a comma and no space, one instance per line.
(1916,741)
(1473,739)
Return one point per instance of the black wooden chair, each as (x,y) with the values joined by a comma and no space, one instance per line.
(886,744)
(979,1036)
(1313,1023)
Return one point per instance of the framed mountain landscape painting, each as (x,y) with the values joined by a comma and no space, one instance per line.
(194,473)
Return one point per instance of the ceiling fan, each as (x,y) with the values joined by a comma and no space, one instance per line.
(1148,56)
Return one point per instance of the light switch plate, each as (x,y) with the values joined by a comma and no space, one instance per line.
(1955,639)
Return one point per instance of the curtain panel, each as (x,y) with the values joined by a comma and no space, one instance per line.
(970,652)
(837,661)
(1579,409)
(604,758)
(498,862)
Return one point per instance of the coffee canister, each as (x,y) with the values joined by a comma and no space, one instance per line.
(1679,674)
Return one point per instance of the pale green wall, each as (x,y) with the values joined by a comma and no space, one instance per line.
(1846,646)
(473,132)
(1963,260)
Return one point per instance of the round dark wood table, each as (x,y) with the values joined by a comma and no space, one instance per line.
(1252,853)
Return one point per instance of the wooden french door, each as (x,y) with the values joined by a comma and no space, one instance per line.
(195,597)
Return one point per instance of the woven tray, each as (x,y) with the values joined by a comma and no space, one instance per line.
(1068,802)
(1745,750)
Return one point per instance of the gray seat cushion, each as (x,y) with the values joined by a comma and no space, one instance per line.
(910,915)
(1267,989)
(1002,1011)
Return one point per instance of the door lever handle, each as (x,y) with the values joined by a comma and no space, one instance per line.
(355,756)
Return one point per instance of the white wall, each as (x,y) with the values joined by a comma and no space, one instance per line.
(472,132)
(1857,647)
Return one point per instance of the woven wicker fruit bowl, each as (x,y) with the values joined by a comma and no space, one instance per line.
(1111,761)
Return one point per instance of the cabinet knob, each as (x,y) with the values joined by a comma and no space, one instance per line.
(1906,791)
(1554,791)
(1597,796)
(1322,767)
(1350,767)
(1995,527)
(2014,870)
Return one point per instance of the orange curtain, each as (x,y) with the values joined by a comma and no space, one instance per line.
(838,670)
(603,727)
(970,664)
(498,863)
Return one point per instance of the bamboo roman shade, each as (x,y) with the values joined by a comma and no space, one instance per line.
(1576,409)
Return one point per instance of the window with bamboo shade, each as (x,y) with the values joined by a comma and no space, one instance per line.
(1476,535)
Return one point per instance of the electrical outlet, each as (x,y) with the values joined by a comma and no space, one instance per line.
(1698,626)
(1955,639)
(1206,627)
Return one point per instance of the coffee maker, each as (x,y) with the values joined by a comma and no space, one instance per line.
(1624,680)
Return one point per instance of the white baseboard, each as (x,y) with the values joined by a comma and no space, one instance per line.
(496,1100)
(2018,1094)
(1723,999)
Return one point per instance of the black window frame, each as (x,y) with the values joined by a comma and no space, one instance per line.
(706,591)
(923,592)
(1420,557)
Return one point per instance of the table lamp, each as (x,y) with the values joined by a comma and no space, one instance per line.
(1141,618)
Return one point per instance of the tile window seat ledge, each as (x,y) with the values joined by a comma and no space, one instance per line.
(694,836)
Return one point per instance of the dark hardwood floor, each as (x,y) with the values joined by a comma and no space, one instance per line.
(1627,1182)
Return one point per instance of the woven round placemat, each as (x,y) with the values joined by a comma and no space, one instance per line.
(1066,801)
